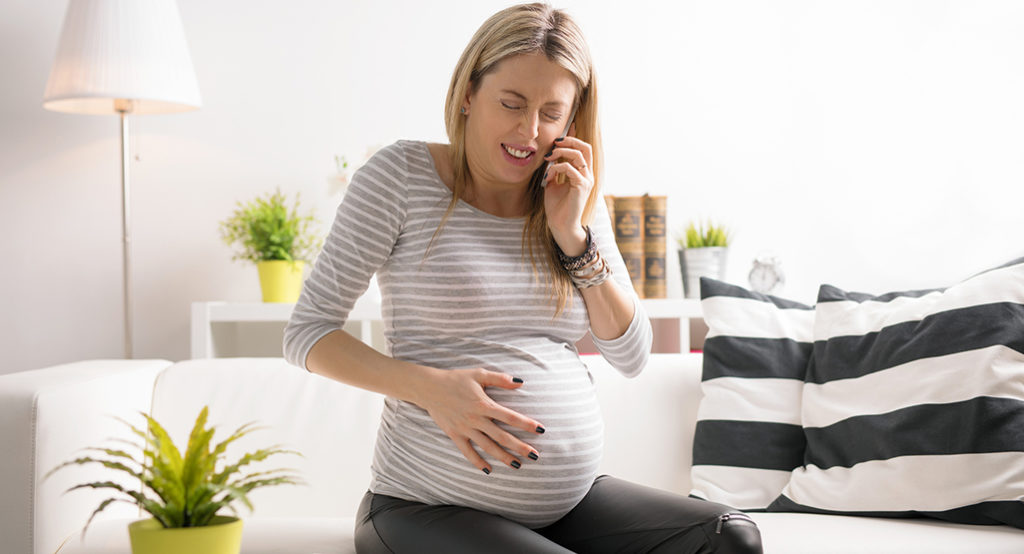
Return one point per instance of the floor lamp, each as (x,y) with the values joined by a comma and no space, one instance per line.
(122,57)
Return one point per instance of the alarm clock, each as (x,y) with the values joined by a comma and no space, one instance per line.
(766,276)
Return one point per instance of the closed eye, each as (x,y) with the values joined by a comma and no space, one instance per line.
(551,116)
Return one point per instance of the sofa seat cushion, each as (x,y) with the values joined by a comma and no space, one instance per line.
(815,534)
(781,533)
(266,535)
(792,533)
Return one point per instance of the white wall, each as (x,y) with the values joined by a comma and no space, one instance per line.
(874,145)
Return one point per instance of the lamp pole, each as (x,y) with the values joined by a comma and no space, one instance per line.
(123,108)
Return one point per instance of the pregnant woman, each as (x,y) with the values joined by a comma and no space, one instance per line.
(494,255)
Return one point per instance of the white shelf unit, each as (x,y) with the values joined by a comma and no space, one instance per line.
(205,315)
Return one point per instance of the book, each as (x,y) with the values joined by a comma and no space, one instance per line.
(629,235)
(655,248)
(609,202)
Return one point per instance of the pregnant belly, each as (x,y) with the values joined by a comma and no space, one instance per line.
(417,461)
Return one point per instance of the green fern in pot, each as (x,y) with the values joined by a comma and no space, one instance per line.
(277,238)
(183,490)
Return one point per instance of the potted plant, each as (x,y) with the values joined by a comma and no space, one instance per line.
(187,490)
(703,250)
(277,239)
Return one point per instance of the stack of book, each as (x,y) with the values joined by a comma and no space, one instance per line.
(639,223)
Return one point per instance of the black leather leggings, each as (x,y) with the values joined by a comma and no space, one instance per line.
(615,516)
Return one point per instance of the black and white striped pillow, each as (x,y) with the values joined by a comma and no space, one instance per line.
(748,436)
(914,403)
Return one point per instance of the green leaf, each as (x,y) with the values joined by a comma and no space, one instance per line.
(185,488)
(265,229)
(703,235)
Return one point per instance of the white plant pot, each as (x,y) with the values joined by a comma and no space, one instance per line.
(695,263)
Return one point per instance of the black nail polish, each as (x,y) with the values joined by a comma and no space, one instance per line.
(532,455)
(516,464)
(517,380)
(559,139)
(487,471)
(540,429)
(549,153)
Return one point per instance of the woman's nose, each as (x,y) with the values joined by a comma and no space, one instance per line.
(531,123)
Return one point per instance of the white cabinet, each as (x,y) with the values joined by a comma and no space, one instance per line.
(221,329)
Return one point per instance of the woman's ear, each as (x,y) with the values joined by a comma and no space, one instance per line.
(468,100)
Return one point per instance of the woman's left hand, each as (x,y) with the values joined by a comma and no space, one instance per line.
(564,202)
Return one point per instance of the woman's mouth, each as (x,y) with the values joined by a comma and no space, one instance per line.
(518,155)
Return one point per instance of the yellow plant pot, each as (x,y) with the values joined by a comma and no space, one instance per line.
(280,280)
(223,536)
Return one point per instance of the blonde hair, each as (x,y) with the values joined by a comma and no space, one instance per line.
(528,29)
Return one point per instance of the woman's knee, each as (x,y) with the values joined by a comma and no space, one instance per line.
(736,533)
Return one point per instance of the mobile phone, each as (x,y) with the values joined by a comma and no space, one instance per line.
(572,117)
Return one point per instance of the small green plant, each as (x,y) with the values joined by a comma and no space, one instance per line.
(341,162)
(267,229)
(703,236)
(187,490)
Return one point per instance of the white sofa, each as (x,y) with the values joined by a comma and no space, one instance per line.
(49,414)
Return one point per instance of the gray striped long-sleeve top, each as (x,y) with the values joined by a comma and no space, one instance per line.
(473,301)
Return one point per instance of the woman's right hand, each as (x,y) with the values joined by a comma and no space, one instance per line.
(457,402)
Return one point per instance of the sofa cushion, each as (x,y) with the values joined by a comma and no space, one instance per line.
(830,534)
(333,425)
(648,420)
(748,435)
(914,403)
(780,533)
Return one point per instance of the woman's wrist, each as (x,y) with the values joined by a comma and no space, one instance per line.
(422,383)
(572,243)
(587,269)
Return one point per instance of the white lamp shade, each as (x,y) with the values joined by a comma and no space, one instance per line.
(122,50)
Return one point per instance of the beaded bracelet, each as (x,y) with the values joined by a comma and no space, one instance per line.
(589,268)
(572,263)
(591,277)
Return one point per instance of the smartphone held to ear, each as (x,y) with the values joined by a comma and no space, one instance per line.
(560,178)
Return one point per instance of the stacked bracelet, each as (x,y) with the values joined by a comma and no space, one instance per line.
(589,268)
(572,263)
(592,275)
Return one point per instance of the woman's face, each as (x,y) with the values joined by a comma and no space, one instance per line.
(514,116)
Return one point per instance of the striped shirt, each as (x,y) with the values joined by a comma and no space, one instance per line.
(472,301)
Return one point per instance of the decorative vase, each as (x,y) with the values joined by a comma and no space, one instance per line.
(222,536)
(695,263)
(280,280)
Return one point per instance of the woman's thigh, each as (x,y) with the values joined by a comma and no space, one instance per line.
(619,516)
(385,524)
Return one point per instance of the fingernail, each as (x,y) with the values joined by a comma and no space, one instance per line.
(487,471)
(532,456)
(559,139)
(515,464)
(540,429)
(517,380)
(549,153)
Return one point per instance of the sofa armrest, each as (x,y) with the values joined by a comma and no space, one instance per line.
(48,415)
